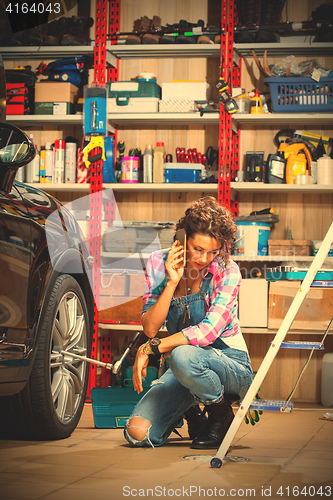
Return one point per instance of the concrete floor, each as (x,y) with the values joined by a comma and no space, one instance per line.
(282,456)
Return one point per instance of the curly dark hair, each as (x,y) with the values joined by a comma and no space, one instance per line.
(206,216)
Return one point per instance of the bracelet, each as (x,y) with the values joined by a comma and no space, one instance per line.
(145,349)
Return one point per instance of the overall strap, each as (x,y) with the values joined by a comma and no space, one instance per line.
(205,283)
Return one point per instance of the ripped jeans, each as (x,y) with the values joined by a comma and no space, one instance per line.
(196,375)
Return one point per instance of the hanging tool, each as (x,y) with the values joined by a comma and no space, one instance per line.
(225,96)
(109,366)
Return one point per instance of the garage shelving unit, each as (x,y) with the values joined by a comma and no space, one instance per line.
(106,60)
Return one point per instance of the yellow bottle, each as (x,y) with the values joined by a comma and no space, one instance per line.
(256,104)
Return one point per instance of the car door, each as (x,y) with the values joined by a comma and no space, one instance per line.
(15,258)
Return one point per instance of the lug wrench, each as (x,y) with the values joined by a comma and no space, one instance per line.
(109,366)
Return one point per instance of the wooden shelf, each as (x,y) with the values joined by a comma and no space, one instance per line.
(45,52)
(277,258)
(167,119)
(32,120)
(272,331)
(166,186)
(280,188)
(283,118)
(123,51)
(191,187)
(61,187)
(281,49)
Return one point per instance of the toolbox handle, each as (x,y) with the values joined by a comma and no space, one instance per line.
(122,100)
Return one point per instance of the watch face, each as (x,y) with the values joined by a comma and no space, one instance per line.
(155,342)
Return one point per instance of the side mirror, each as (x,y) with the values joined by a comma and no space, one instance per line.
(16,150)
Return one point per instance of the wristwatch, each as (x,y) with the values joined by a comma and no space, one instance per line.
(154,343)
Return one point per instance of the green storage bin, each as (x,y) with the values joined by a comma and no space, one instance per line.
(113,405)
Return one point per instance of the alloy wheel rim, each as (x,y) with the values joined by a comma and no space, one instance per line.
(67,374)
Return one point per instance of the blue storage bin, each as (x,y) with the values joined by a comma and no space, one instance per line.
(301,94)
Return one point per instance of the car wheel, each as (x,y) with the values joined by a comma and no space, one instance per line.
(53,399)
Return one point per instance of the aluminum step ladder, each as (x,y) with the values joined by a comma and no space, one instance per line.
(249,402)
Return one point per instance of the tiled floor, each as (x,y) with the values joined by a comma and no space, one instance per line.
(282,456)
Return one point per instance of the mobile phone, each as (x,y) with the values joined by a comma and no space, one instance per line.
(181,237)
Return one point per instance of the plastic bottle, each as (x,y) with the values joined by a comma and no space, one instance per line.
(148,163)
(256,104)
(108,164)
(158,165)
(49,163)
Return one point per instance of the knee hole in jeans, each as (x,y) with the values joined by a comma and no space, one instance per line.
(137,428)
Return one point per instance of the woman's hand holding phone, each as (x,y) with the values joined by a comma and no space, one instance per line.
(175,263)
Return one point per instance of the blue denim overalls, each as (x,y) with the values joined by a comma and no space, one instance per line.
(196,375)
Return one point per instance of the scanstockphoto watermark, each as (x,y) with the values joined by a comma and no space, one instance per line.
(123,248)
(216,492)
(188,491)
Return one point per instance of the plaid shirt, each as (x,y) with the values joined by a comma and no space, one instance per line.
(221,302)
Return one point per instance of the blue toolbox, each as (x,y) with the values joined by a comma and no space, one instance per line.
(183,172)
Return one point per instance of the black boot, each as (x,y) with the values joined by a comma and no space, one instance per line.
(196,421)
(220,416)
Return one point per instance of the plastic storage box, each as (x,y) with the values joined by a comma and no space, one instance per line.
(301,94)
(113,405)
(133,97)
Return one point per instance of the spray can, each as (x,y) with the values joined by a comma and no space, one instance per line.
(70,162)
(256,104)
(59,161)
(148,164)
(49,163)
(42,164)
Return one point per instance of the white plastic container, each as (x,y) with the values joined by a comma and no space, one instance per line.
(158,166)
(327,380)
(252,239)
(325,170)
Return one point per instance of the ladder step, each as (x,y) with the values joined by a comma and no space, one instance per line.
(293,344)
(270,405)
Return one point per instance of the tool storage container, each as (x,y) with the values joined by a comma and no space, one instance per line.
(133,97)
(182,172)
(301,94)
(113,405)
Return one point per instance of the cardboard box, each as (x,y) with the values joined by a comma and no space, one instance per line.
(55,92)
(314,314)
(289,247)
(195,91)
(253,303)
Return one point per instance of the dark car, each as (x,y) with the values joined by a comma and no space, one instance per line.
(46,304)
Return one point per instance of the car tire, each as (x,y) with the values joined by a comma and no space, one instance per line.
(50,405)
